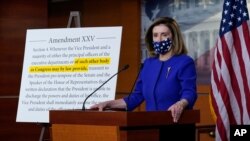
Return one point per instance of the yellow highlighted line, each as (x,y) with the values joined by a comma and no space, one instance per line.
(92,61)
(80,65)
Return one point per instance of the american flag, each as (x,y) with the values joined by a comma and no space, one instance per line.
(230,75)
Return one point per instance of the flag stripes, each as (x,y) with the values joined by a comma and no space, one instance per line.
(230,75)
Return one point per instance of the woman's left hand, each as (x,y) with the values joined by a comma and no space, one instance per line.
(177,109)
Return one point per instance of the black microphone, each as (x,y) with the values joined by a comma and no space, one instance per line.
(138,74)
(124,68)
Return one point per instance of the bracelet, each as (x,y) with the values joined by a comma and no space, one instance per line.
(183,103)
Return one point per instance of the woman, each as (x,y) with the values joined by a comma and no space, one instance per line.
(168,78)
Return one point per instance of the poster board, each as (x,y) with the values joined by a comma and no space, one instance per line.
(63,66)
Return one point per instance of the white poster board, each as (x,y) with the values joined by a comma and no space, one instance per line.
(63,66)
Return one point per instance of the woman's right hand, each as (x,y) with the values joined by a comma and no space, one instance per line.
(101,106)
(119,103)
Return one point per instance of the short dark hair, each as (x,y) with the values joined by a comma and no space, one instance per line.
(178,45)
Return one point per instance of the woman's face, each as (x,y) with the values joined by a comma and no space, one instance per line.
(161,32)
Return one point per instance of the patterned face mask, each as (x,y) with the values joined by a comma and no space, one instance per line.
(162,47)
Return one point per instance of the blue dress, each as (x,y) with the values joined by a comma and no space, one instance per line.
(162,83)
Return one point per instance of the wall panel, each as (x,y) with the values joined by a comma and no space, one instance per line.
(15,18)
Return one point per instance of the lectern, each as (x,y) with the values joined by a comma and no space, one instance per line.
(77,125)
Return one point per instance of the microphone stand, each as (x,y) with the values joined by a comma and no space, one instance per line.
(83,105)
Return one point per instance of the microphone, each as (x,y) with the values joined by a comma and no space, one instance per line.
(83,104)
(141,66)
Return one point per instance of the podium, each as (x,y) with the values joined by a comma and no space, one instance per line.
(78,125)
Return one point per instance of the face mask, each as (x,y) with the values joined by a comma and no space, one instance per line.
(162,47)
